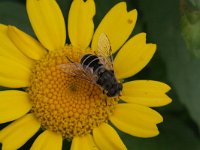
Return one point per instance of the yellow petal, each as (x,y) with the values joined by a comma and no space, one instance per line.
(142,113)
(117,25)
(18,74)
(48,23)
(14,66)
(19,132)
(8,49)
(26,44)
(136,120)
(12,83)
(107,138)
(146,92)
(12,62)
(148,99)
(145,85)
(133,56)
(80,23)
(14,104)
(83,143)
(48,141)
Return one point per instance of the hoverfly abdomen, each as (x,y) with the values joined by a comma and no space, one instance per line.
(105,77)
(91,61)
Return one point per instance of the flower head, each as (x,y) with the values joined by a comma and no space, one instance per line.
(67,107)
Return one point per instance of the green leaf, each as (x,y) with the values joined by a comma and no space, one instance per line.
(13,13)
(174,135)
(163,23)
(195,3)
(190,23)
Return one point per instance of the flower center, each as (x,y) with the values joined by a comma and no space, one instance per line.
(66,104)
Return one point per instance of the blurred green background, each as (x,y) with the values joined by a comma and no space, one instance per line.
(174,25)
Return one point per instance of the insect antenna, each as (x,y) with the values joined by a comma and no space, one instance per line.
(69,59)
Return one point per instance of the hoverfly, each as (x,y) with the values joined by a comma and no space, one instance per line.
(96,69)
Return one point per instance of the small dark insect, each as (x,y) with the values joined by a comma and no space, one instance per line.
(97,69)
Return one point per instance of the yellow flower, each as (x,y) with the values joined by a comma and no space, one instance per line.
(69,108)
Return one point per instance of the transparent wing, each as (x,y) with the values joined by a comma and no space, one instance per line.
(105,51)
(76,70)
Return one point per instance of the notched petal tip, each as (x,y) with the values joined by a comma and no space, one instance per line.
(133,56)
(135,128)
(152,46)
(132,16)
(122,5)
(146,92)
(142,36)
(168,88)
(168,101)
(159,118)
(117,18)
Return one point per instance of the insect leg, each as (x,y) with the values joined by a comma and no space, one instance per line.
(69,59)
